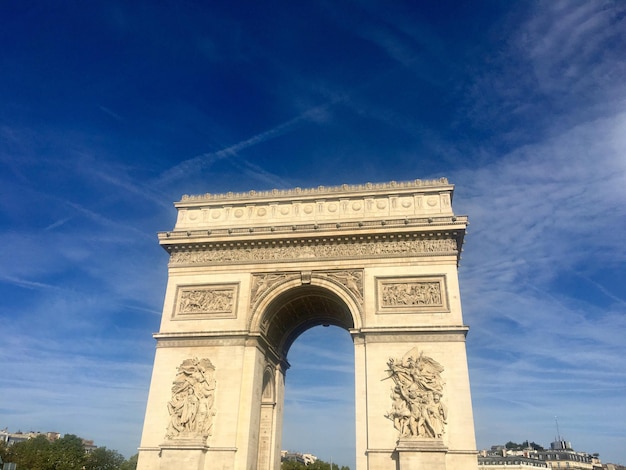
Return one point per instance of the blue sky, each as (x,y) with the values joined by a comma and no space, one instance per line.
(113,110)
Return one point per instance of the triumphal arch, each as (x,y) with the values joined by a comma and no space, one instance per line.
(249,272)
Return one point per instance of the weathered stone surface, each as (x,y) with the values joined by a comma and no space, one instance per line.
(250,272)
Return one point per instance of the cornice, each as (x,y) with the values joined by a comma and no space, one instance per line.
(346,228)
(430,329)
(402,219)
(451,333)
(297,193)
(236,335)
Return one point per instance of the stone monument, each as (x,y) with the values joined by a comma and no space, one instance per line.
(249,272)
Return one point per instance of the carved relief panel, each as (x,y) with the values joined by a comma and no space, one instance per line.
(340,248)
(412,294)
(207,301)
(417,409)
(191,408)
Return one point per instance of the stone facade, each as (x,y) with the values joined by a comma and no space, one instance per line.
(250,272)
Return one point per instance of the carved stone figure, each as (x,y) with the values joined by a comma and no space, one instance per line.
(414,293)
(261,283)
(353,280)
(417,409)
(193,396)
(206,301)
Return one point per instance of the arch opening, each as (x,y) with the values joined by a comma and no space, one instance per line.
(301,308)
(319,403)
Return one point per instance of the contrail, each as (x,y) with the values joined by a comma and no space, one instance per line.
(206,159)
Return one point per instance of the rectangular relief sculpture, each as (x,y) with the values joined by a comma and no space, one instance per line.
(205,302)
(416,294)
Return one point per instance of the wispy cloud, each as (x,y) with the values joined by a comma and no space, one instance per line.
(57,223)
(110,113)
(558,67)
(526,117)
(25,283)
(574,47)
(204,161)
(544,212)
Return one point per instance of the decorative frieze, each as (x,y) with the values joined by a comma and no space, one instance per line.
(417,408)
(335,204)
(203,302)
(312,211)
(191,407)
(412,294)
(260,252)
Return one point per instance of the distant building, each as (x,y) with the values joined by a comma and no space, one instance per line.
(11,438)
(509,462)
(89,446)
(560,456)
(14,437)
(501,458)
(306,459)
(561,445)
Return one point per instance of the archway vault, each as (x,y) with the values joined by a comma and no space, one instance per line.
(294,311)
(250,272)
(288,304)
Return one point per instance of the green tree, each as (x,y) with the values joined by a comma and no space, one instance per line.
(292,465)
(317,465)
(4,451)
(104,459)
(32,454)
(68,453)
(130,464)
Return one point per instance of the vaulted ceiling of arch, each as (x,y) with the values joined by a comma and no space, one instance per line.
(302,308)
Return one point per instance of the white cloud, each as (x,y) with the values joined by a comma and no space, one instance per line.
(574,46)
(204,161)
(544,212)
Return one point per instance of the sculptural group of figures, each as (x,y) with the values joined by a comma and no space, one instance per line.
(417,409)
(202,301)
(416,293)
(193,395)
